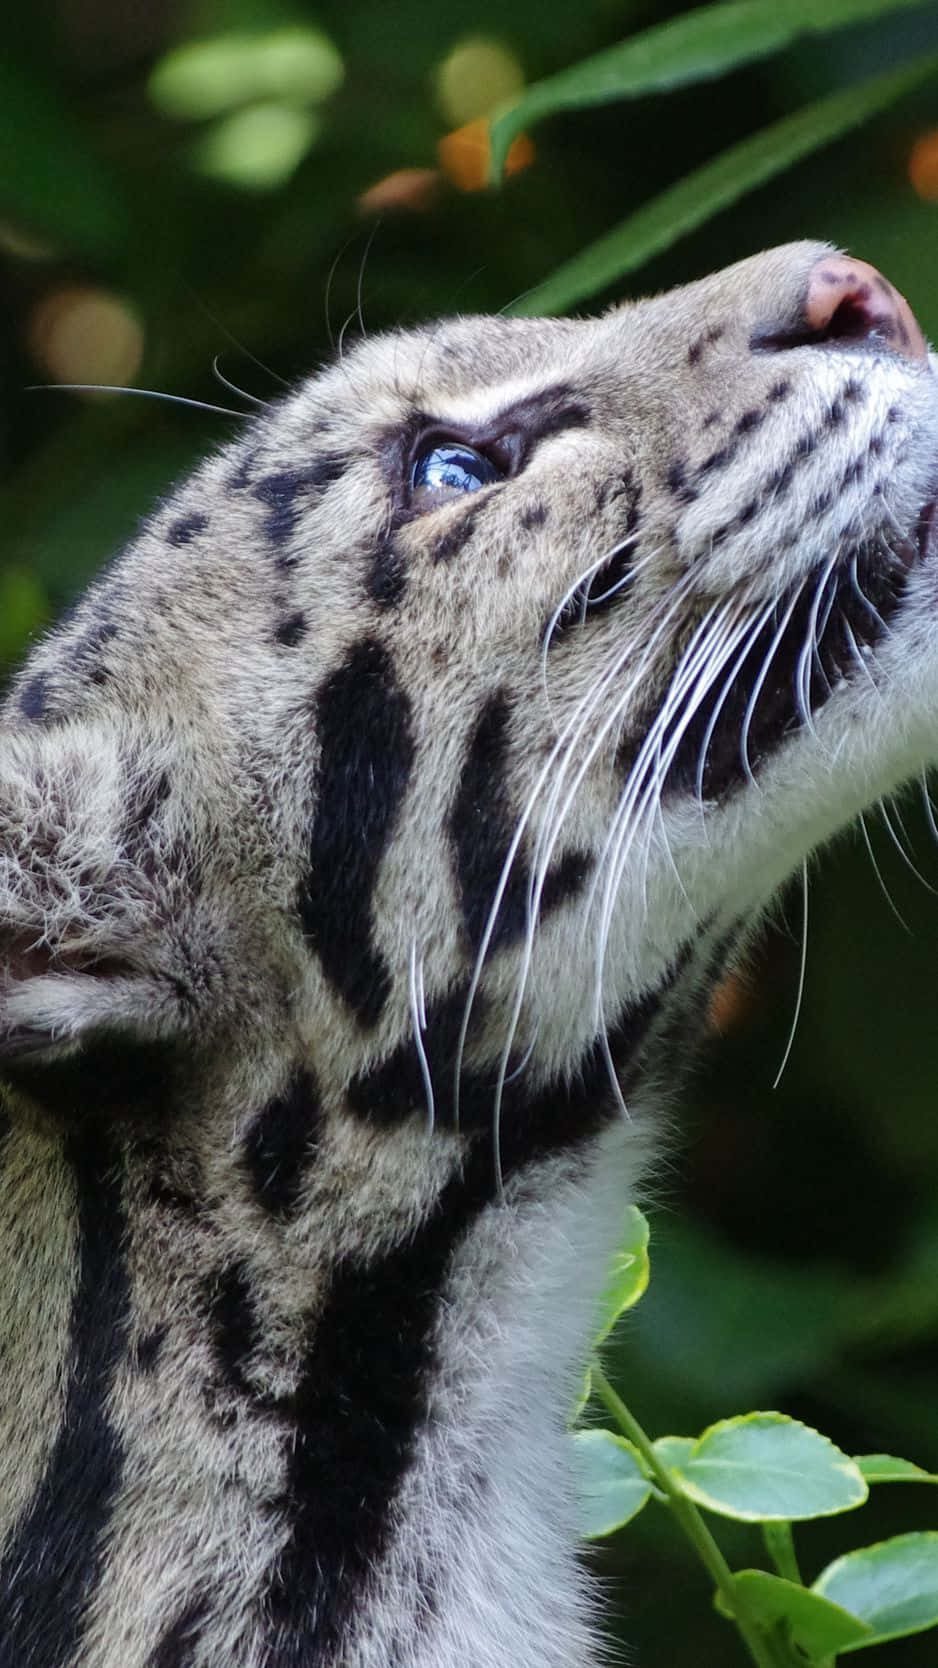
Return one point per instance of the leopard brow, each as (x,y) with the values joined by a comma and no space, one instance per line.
(511,433)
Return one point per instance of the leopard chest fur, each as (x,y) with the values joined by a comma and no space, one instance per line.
(372,834)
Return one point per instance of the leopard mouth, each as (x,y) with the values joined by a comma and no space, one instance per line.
(817,637)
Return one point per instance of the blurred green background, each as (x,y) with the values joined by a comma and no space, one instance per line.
(243,182)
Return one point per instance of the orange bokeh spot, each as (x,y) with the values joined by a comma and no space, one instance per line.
(79,333)
(730,1003)
(465,155)
(923,166)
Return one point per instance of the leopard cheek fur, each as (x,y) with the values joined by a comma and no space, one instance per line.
(369,849)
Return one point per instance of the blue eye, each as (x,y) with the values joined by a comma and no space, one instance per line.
(444,471)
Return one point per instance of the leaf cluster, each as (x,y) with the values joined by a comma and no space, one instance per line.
(764,1468)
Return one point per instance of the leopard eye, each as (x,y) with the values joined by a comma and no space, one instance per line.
(445,471)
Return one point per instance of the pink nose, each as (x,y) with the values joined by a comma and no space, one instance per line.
(849,299)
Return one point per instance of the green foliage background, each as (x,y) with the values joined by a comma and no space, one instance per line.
(795,1231)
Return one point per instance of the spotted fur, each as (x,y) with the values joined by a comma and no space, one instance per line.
(366,862)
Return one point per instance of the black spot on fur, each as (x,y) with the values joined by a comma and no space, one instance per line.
(532,516)
(86,657)
(387,579)
(677,482)
(284,490)
(565,880)
(53,1562)
(243,475)
(281,1142)
(149,1348)
(717,460)
(363,721)
(176,1646)
(748,421)
(33,698)
(291,630)
(186,528)
(233,1326)
(706,339)
(279,493)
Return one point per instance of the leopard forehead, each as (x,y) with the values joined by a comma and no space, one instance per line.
(415,733)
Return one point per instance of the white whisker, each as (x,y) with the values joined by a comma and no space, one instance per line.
(418,1017)
(802,969)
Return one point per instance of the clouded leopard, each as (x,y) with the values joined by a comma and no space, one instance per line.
(371,835)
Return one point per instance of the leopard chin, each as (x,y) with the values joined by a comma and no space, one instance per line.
(373,834)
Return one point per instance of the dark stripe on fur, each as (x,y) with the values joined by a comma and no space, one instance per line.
(362,1400)
(53,1562)
(482,826)
(234,1328)
(531,1122)
(281,1142)
(519,427)
(186,527)
(283,492)
(363,721)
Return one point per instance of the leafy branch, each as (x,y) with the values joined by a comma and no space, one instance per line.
(761,1468)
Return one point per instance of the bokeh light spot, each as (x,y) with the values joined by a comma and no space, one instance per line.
(76,333)
(298,65)
(259,148)
(465,155)
(476,76)
(923,166)
(411,189)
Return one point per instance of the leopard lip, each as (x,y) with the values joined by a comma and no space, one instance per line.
(850,615)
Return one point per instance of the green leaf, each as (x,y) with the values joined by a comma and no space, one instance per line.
(816,1625)
(628,1276)
(674,1451)
(892,1586)
(766,1466)
(884,1468)
(702,43)
(703,193)
(612,1485)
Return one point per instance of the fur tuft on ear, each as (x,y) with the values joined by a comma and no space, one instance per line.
(100,864)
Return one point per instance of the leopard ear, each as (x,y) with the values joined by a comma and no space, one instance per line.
(95,876)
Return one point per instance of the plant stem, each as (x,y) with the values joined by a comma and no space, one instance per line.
(763,1650)
(780,1546)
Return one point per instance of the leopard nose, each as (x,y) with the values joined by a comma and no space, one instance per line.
(849,301)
